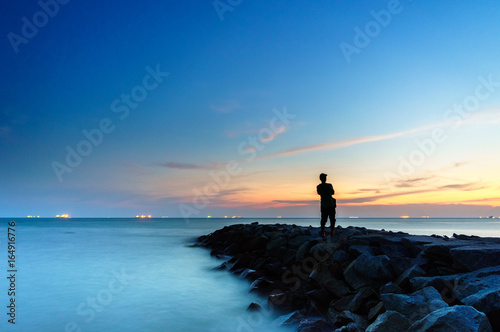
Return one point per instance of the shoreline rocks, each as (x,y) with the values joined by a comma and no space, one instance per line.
(365,280)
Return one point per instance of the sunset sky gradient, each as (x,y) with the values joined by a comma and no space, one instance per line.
(198,109)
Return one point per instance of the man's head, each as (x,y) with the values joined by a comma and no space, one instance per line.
(322,177)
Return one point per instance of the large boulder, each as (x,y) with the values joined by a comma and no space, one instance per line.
(326,270)
(303,251)
(477,256)
(389,321)
(403,280)
(296,241)
(340,256)
(276,243)
(351,322)
(257,243)
(287,301)
(375,311)
(321,296)
(322,272)
(243,261)
(313,325)
(339,288)
(453,319)
(262,286)
(363,301)
(360,249)
(479,289)
(293,318)
(416,305)
(391,288)
(368,270)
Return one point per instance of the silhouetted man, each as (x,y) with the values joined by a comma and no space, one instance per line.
(328,203)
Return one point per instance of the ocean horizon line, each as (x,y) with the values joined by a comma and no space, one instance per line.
(243,217)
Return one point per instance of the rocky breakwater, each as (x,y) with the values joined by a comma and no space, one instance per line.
(365,280)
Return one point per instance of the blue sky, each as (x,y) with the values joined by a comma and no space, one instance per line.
(230,72)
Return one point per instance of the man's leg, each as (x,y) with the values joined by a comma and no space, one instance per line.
(324,217)
(332,221)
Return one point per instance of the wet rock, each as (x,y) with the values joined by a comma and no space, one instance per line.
(297,241)
(341,304)
(414,306)
(250,274)
(324,271)
(290,319)
(338,288)
(360,249)
(244,261)
(258,243)
(368,270)
(352,321)
(283,254)
(400,264)
(481,290)
(395,250)
(340,256)
(262,286)
(476,257)
(312,325)
(332,315)
(303,251)
(288,301)
(453,319)
(351,327)
(254,307)
(222,266)
(403,280)
(390,321)
(438,252)
(321,296)
(276,243)
(359,303)
(376,311)
(391,288)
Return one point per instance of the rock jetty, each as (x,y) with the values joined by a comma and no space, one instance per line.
(365,280)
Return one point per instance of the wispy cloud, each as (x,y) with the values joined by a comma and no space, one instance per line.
(493,200)
(365,190)
(413,182)
(356,200)
(296,202)
(367,199)
(463,186)
(333,145)
(486,117)
(190,166)
(274,134)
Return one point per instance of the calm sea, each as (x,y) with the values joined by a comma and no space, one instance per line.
(141,275)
